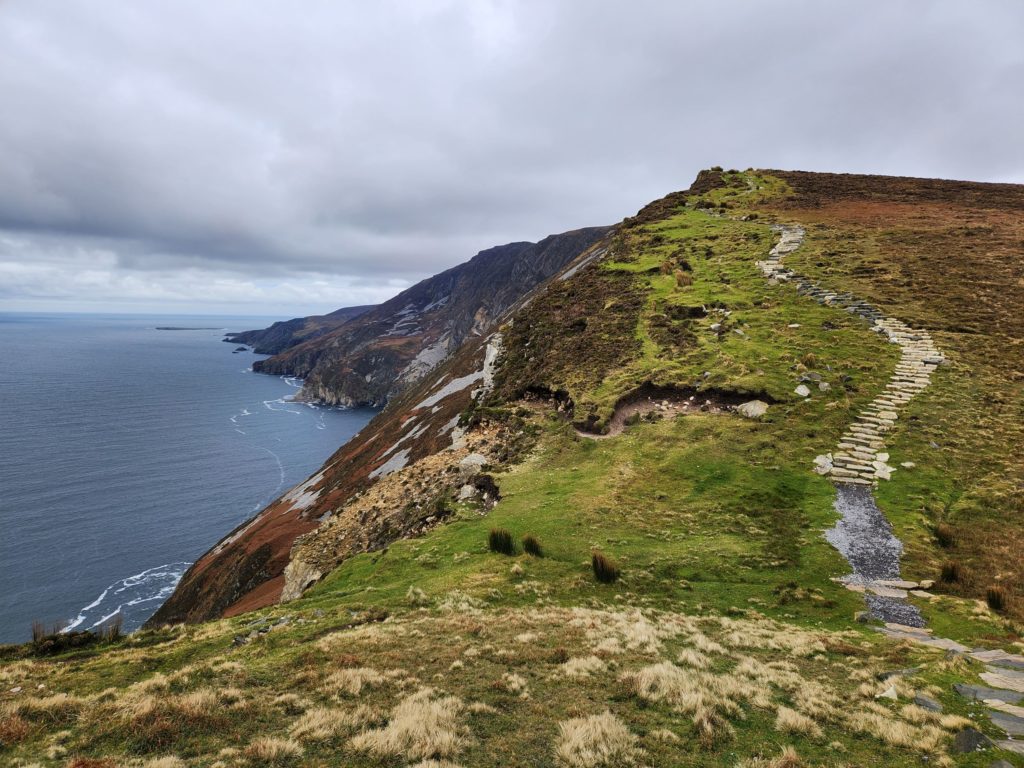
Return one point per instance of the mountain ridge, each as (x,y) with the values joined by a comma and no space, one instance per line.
(369,358)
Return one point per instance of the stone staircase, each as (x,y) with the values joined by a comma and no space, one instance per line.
(860,457)
(865,537)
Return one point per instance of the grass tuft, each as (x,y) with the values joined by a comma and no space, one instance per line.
(268,751)
(532,545)
(501,541)
(598,741)
(421,726)
(952,572)
(945,535)
(605,569)
(998,598)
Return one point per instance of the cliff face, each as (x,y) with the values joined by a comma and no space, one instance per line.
(408,459)
(367,360)
(287,333)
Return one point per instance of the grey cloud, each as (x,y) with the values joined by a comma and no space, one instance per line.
(279,142)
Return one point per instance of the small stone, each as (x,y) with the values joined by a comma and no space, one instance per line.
(927,702)
(862,617)
(823,463)
(752,409)
(908,464)
(716,327)
(16,689)
(889,693)
(802,390)
(926,583)
(971,740)
(793,325)
(824,386)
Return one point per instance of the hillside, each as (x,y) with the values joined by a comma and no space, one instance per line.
(369,360)
(726,441)
(285,334)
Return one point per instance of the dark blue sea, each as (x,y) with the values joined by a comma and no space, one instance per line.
(126,452)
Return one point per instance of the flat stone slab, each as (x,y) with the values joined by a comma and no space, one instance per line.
(1002,706)
(877,589)
(982,693)
(1013,725)
(1004,678)
(924,639)
(999,658)
(898,583)
(1011,746)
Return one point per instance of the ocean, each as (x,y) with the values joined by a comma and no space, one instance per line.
(127,451)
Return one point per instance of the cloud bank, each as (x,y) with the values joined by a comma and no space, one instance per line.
(296,157)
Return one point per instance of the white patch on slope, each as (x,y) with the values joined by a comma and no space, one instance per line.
(427,359)
(449,426)
(598,253)
(301,496)
(453,386)
(395,463)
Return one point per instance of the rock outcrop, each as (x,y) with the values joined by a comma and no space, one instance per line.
(369,359)
(287,333)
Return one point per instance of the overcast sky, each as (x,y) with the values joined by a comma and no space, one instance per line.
(293,157)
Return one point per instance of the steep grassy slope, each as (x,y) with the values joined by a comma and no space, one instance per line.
(725,640)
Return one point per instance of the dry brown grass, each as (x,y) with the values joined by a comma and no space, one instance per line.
(13,729)
(788,758)
(421,726)
(350,682)
(268,751)
(790,721)
(597,741)
(582,666)
(324,723)
(170,761)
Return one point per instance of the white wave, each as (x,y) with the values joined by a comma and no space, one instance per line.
(280,467)
(154,583)
(97,601)
(105,618)
(269,405)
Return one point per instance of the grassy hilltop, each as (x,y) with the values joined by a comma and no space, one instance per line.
(725,639)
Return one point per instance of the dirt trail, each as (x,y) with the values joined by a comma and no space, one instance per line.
(665,402)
